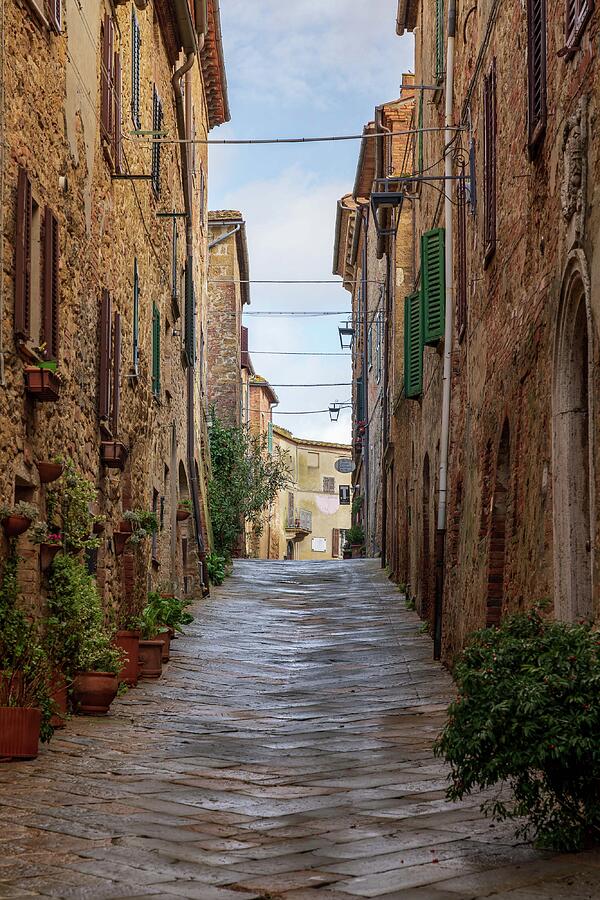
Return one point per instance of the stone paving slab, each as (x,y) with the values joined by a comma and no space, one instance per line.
(284,755)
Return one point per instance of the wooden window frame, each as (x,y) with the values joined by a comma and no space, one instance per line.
(135,349)
(461,246)
(136,45)
(156,351)
(51,285)
(577,16)
(439,41)
(157,120)
(537,113)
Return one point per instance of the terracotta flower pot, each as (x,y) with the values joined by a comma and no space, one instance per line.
(49,471)
(165,638)
(182,514)
(42,384)
(47,554)
(113,454)
(120,539)
(19,732)
(59,695)
(93,692)
(15,525)
(129,642)
(150,659)
(98,527)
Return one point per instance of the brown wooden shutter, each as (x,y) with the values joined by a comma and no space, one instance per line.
(536,72)
(489,162)
(291,515)
(51,297)
(23,257)
(105,356)
(54,12)
(461,242)
(106,73)
(117,125)
(116,398)
(335,542)
(577,15)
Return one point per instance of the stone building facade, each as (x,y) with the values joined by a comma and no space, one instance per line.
(228,293)
(522,522)
(314,512)
(373,256)
(104,268)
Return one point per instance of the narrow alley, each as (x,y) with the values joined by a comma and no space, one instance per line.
(285,753)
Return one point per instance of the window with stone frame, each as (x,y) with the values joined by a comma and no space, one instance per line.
(328,485)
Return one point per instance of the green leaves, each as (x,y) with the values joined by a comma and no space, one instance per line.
(216,568)
(528,713)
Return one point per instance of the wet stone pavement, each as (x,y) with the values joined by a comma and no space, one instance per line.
(286,753)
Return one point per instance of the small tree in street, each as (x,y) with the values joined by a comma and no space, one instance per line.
(246,479)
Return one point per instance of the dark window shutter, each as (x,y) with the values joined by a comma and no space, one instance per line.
(136,43)
(54,13)
(155,350)
(190,318)
(433,280)
(174,266)
(536,71)
(291,514)
(136,317)
(117,123)
(116,398)
(157,118)
(51,284)
(360,399)
(23,257)
(106,73)
(578,13)
(413,347)
(461,245)
(105,356)
(335,542)
(489,162)
(439,40)
(420,136)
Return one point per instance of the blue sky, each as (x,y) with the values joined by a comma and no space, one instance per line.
(311,67)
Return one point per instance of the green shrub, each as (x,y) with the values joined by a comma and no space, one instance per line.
(162,611)
(355,535)
(528,714)
(216,568)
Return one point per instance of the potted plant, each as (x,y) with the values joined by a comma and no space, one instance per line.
(18,518)
(127,639)
(141,523)
(50,470)
(151,641)
(98,524)
(355,540)
(70,503)
(216,568)
(50,542)
(184,510)
(113,454)
(80,642)
(43,383)
(25,704)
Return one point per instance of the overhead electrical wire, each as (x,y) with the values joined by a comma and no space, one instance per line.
(339,281)
(293,353)
(300,312)
(324,384)
(294,140)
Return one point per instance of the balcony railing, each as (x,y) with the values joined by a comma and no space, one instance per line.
(302,521)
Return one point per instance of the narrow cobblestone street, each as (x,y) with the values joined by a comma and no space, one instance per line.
(284,753)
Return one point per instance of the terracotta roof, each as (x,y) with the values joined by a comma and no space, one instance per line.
(213,69)
(234,217)
(365,170)
(283,432)
(406,19)
(259,381)
(343,243)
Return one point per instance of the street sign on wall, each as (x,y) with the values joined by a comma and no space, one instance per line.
(344,465)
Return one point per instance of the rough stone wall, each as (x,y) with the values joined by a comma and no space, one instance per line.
(502,531)
(224,325)
(52,108)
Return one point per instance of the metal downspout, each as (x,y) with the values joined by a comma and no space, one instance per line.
(364,284)
(223,237)
(390,257)
(447,376)
(189,252)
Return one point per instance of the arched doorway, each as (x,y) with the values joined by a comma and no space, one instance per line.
(290,550)
(498,524)
(572,457)
(426,562)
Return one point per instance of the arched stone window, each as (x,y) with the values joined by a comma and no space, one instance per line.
(572,452)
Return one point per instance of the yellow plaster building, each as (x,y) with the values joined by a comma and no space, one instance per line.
(314,512)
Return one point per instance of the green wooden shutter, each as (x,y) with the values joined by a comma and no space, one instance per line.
(433,285)
(155,350)
(413,346)
(270,438)
(439,40)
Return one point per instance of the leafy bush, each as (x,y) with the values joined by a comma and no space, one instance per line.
(162,611)
(70,501)
(528,713)
(357,504)
(77,636)
(246,479)
(355,535)
(216,568)
(144,523)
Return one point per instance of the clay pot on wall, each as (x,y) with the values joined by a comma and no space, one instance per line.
(49,471)
(129,642)
(182,513)
(47,554)
(93,692)
(150,659)
(19,732)
(42,384)
(121,536)
(15,525)
(113,454)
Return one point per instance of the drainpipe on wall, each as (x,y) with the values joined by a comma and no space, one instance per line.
(446,384)
(389,305)
(365,304)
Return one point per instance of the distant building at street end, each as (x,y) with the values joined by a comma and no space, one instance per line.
(313,514)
